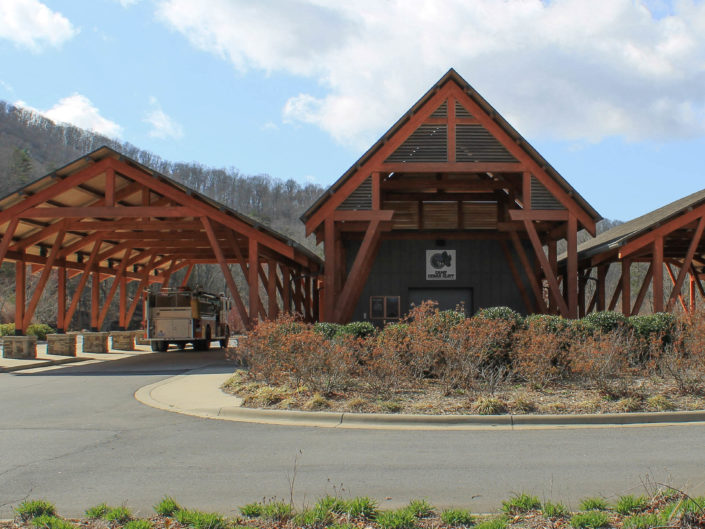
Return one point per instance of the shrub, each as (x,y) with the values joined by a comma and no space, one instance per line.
(457,517)
(660,324)
(51,522)
(7,329)
(420,508)
(200,520)
(97,512)
(553,510)
(604,322)
(398,519)
(167,506)
(602,359)
(590,520)
(548,323)
(521,503)
(138,524)
(29,509)
(327,329)
(660,403)
(357,329)
(489,406)
(593,504)
(539,355)
(119,515)
(362,507)
(40,330)
(500,313)
(629,504)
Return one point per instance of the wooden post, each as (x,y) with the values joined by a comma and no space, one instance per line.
(123,303)
(61,299)
(572,269)
(253,280)
(601,287)
(315,300)
(626,287)
(307,298)
(95,301)
(658,275)
(329,293)
(20,287)
(553,259)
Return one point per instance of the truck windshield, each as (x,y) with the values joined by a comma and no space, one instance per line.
(180,300)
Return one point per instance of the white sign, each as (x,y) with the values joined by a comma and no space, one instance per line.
(440,264)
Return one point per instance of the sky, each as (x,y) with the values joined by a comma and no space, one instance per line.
(610,92)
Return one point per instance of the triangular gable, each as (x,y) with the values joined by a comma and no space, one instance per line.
(455,129)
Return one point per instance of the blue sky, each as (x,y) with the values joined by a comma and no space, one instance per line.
(611,92)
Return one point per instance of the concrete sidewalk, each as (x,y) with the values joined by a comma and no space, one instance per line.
(198,393)
(8,365)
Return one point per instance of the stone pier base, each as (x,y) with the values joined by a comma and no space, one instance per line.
(95,342)
(123,340)
(61,344)
(140,337)
(19,347)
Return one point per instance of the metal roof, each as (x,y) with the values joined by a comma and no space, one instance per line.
(454,76)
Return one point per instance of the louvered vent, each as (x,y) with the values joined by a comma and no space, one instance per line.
(461,112)
(441,111)
(440,215)
(428,143)
(479,215)
(541,198)
(406,214)
(473,143)
(360,199)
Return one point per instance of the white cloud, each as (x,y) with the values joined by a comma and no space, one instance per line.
(78,110)
(163,126)
(31,24)
(568,69)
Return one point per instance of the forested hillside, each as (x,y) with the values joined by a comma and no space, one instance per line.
(32,146)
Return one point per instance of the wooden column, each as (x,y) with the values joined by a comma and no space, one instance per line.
(95,301)
(61,299)
(329,292)
(20,288)
(626,287)
(658,275)
(122,312)
(253,280)
(315,294)
(572,269)
(601,287)
(553,259)
(307,298)
(272,305)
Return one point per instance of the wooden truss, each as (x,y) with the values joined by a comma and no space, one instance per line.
(107,217)
(451,198)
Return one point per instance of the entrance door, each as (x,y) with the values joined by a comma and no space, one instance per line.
(447,298)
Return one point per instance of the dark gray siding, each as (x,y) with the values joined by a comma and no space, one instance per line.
(401,265)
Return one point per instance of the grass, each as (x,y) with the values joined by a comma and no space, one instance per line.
(495,523)
(315,518)
(46,521)
(553,510)
(200,519)
(120,515)
(167,506)
(29,509)
(362,507)
(251,510)
(590,520)
(593,504)
(457,517)
(397,519)
(521,503)
(276,511)
(642,521)
(629,504)
(138,524)
(97,512)
(332,504)
(489,406)
(420,508)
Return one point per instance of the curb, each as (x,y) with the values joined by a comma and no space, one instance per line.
(382,421)
(45,363)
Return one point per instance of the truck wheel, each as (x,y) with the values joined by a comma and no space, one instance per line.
(181,345)
(224,341)
(160,347)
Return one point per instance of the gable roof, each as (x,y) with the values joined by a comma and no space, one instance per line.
(621,234)
(453,76)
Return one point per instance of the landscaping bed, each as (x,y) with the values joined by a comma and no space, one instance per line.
(439,362)
(662,507)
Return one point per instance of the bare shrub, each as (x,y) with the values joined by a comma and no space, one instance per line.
(601,359)
(539,355)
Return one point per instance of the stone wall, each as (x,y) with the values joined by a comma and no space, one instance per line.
(95,342)
(123,340)
(19,347)
(61,344)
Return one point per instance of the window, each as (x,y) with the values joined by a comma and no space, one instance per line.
(385,307)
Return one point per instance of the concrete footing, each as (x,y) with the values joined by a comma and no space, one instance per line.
(95,342)
(61,344)
(123,340)
(19,347)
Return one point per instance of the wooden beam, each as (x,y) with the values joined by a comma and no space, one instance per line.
(547,270)
(358,273)
(7,238)
(673,282)
(187,275)
(20,293)
(239,305)
(82,284)
(658,274)
(643,290)
(626,287)
(615,294)
(376,193)
(110,187)
(364,215)
(695,241)
(451,167)
(61,299)
(113,288)
(572,267)
(46,273)
(529,272)
(253,280)
(104,211)
(122,310)
(539,214)
(95,300)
